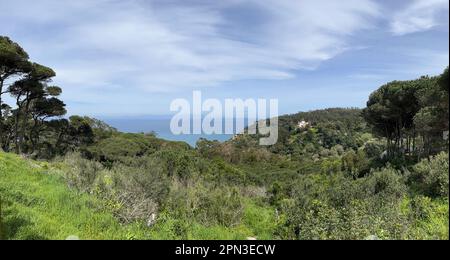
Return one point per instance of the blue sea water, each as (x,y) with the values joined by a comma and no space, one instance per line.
(161,126)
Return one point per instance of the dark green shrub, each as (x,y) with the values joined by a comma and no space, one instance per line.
(421,207)
(432,175)
(386,184)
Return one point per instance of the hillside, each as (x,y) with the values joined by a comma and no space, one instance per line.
(317,132)
(36,203)
(334,174)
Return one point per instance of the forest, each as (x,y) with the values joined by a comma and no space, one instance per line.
(381,172)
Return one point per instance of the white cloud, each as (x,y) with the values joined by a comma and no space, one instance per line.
(158,46)
(420,15)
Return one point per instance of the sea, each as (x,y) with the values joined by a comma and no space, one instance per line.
(160,126)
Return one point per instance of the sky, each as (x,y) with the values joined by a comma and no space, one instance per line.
(116,58)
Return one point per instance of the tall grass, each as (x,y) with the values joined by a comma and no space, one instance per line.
(39,203)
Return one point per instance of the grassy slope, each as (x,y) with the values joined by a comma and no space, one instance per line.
(36,204)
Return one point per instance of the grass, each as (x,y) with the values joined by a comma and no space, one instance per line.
(432,219)
(36,204)
(257,222)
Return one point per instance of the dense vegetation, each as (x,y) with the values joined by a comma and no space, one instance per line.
(380,172)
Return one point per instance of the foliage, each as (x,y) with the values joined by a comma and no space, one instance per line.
(37,205)
(333,207)
(208,205)
(432,175)
(406,112)
(346,173)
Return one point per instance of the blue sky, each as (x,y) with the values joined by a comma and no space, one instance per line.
(131,58)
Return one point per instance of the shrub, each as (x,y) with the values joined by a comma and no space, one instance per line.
(432,175)
(355,163)
(81,173)
(421,207)
(386,184)
(139,190)
(339,207)
(374,149)
(177,163)
(203,203)
(125,147)
(132,192)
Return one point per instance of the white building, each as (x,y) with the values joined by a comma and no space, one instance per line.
(303,124)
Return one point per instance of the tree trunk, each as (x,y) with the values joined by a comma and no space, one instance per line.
(16,130)
(34,135)
(1,113)
(16,125)
(24,123)
(7,141)
(408,151)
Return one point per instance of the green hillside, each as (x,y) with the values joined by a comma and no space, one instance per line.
(36,204)
(334,174)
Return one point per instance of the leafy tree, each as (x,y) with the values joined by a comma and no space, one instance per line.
(432,119)
(390,112)
(26,92)
(355,163)
(101,129)
(405,112)
(13,62)
(43,109)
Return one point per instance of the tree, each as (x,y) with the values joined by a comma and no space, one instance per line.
(355,163)
(81,131)
(26,91)
(43,109)
(13,62)
(390,112)
(405,112)
(432,119)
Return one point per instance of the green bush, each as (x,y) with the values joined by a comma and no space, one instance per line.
(124,148)
(138,190)
(355,164)
(429,218)
(133,192)
(198,201)
(420,208)
(433,176)
(387,184)
(339,207)
(81,174)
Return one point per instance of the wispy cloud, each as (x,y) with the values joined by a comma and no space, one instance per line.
(162,46)
(420,15)
(135,56)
